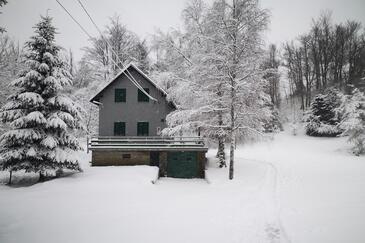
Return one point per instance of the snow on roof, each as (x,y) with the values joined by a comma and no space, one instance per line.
(120,73)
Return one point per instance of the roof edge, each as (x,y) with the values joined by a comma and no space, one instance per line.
(131,64)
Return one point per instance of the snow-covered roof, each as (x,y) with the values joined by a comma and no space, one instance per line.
(120,73)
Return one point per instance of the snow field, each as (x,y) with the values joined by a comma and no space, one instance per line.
(292,189)
(120,204)
(320,187)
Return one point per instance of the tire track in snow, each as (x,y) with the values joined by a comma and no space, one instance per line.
(274,228)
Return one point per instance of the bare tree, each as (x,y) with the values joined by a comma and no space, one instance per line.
(115,48)
(2,3)
(329,55)
(271,65)
(99,58)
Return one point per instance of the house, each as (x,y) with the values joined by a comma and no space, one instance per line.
(132,113)
(124,110)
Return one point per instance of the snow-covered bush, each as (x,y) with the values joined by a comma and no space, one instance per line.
(322,120)
(353,123)
(39,115)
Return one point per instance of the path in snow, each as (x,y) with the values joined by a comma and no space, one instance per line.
(265,224)
(320,187)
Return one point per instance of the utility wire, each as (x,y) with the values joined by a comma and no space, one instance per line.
(69,14)
(115,54)
(128,75)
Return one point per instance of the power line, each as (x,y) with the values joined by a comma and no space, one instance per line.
(69,14)
(115,54)
(128,75)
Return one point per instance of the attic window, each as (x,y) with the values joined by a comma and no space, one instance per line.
(142,97)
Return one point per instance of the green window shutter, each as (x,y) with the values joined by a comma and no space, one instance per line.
(142,129)
(119,128)
(120,95)
(142,97)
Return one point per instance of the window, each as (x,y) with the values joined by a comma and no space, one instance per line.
(119,128)
(126,156)
(142,129)
(142,97)
(120,95)
(158,131)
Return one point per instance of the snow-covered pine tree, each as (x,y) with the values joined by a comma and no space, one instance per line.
(39,115)
(353,123)
(323,119)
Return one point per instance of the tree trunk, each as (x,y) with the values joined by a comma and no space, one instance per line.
(42,177)
(221,155)
(232,133)
(231,157)
(10,177)
(233,96)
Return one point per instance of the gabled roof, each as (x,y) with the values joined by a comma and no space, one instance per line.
(120,73)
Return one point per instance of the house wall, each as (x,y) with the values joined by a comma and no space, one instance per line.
(100,158)
(132,111)
(201,160)
(114,157)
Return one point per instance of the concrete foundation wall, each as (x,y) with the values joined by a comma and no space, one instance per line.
(107,158)
(120,158)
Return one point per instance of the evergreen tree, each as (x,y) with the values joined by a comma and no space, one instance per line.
(39,115)
(323,119)
(353,122)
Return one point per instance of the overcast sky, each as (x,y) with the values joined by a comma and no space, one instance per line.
(288,17)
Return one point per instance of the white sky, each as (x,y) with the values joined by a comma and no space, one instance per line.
(289,18)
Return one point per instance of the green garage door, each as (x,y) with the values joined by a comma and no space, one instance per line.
(182,164)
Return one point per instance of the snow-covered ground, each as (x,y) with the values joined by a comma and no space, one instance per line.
(320,187)
(292,189)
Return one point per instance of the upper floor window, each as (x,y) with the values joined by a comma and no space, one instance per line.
(120,95)
(142,97)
